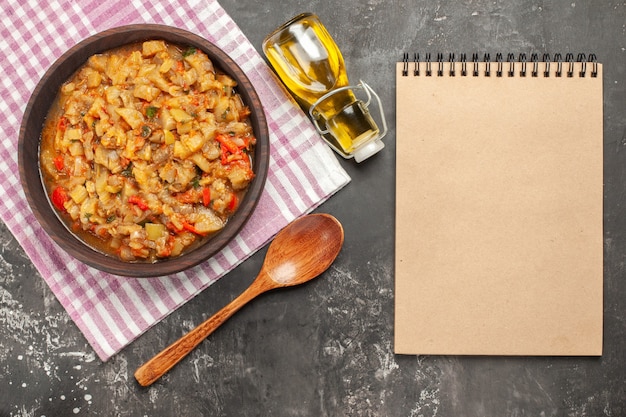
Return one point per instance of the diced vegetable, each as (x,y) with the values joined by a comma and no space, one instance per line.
(181,150)
(59,162)
(146,92)
(206,196)
(194,141)
(232,204)
(133,117)
(79,194)
(150,48)
(180,115)
(192,228)
(169,137)
(155,231)
(201,162)
(59,198)
(72,134)
(138,201)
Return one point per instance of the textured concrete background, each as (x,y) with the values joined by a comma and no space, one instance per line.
(326,349)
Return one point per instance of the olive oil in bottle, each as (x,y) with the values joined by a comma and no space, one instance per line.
(311,66)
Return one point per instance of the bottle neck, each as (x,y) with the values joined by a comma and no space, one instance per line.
(352,126)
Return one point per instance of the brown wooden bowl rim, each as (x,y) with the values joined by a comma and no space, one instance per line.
(37,109)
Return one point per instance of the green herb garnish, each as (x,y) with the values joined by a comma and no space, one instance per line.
(151,112)
(189,51)
(145,131)
(128,171)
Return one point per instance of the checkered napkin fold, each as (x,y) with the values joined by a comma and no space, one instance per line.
(112,311)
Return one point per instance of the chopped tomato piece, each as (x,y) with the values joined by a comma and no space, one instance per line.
(63,122)
(136,200)
(59,162)
(59,198)
(192,229)
(227,143)
(206,196)
(232,204)
(188,197)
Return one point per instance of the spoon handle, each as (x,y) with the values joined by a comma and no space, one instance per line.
(156,367)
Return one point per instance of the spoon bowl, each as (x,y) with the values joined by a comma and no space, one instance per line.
(300,252)
(303,250)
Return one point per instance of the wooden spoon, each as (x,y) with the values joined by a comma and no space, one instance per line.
(300,252)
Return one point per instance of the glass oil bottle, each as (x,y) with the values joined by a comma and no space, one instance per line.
(311,66)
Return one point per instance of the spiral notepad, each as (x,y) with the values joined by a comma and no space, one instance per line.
(499,205)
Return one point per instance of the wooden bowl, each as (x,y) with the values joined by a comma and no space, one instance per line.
(37,110)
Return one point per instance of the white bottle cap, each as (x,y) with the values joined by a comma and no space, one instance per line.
(367,150)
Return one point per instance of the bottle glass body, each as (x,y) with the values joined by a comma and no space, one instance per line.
(311,66)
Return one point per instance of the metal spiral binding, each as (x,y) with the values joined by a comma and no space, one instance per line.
(475,61)
(487,65)
(570,58)
(562,65)
(594,65)
(534,58)
(522,60)
(546,60)
(499,65)
(452,70)
(559,65)
(440,65)
(463,65)
(405,68)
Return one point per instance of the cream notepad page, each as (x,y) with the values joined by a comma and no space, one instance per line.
(499,213)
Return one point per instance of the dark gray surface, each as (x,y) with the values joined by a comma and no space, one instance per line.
(325,349)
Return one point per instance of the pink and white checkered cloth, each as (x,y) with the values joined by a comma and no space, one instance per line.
(112,311)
